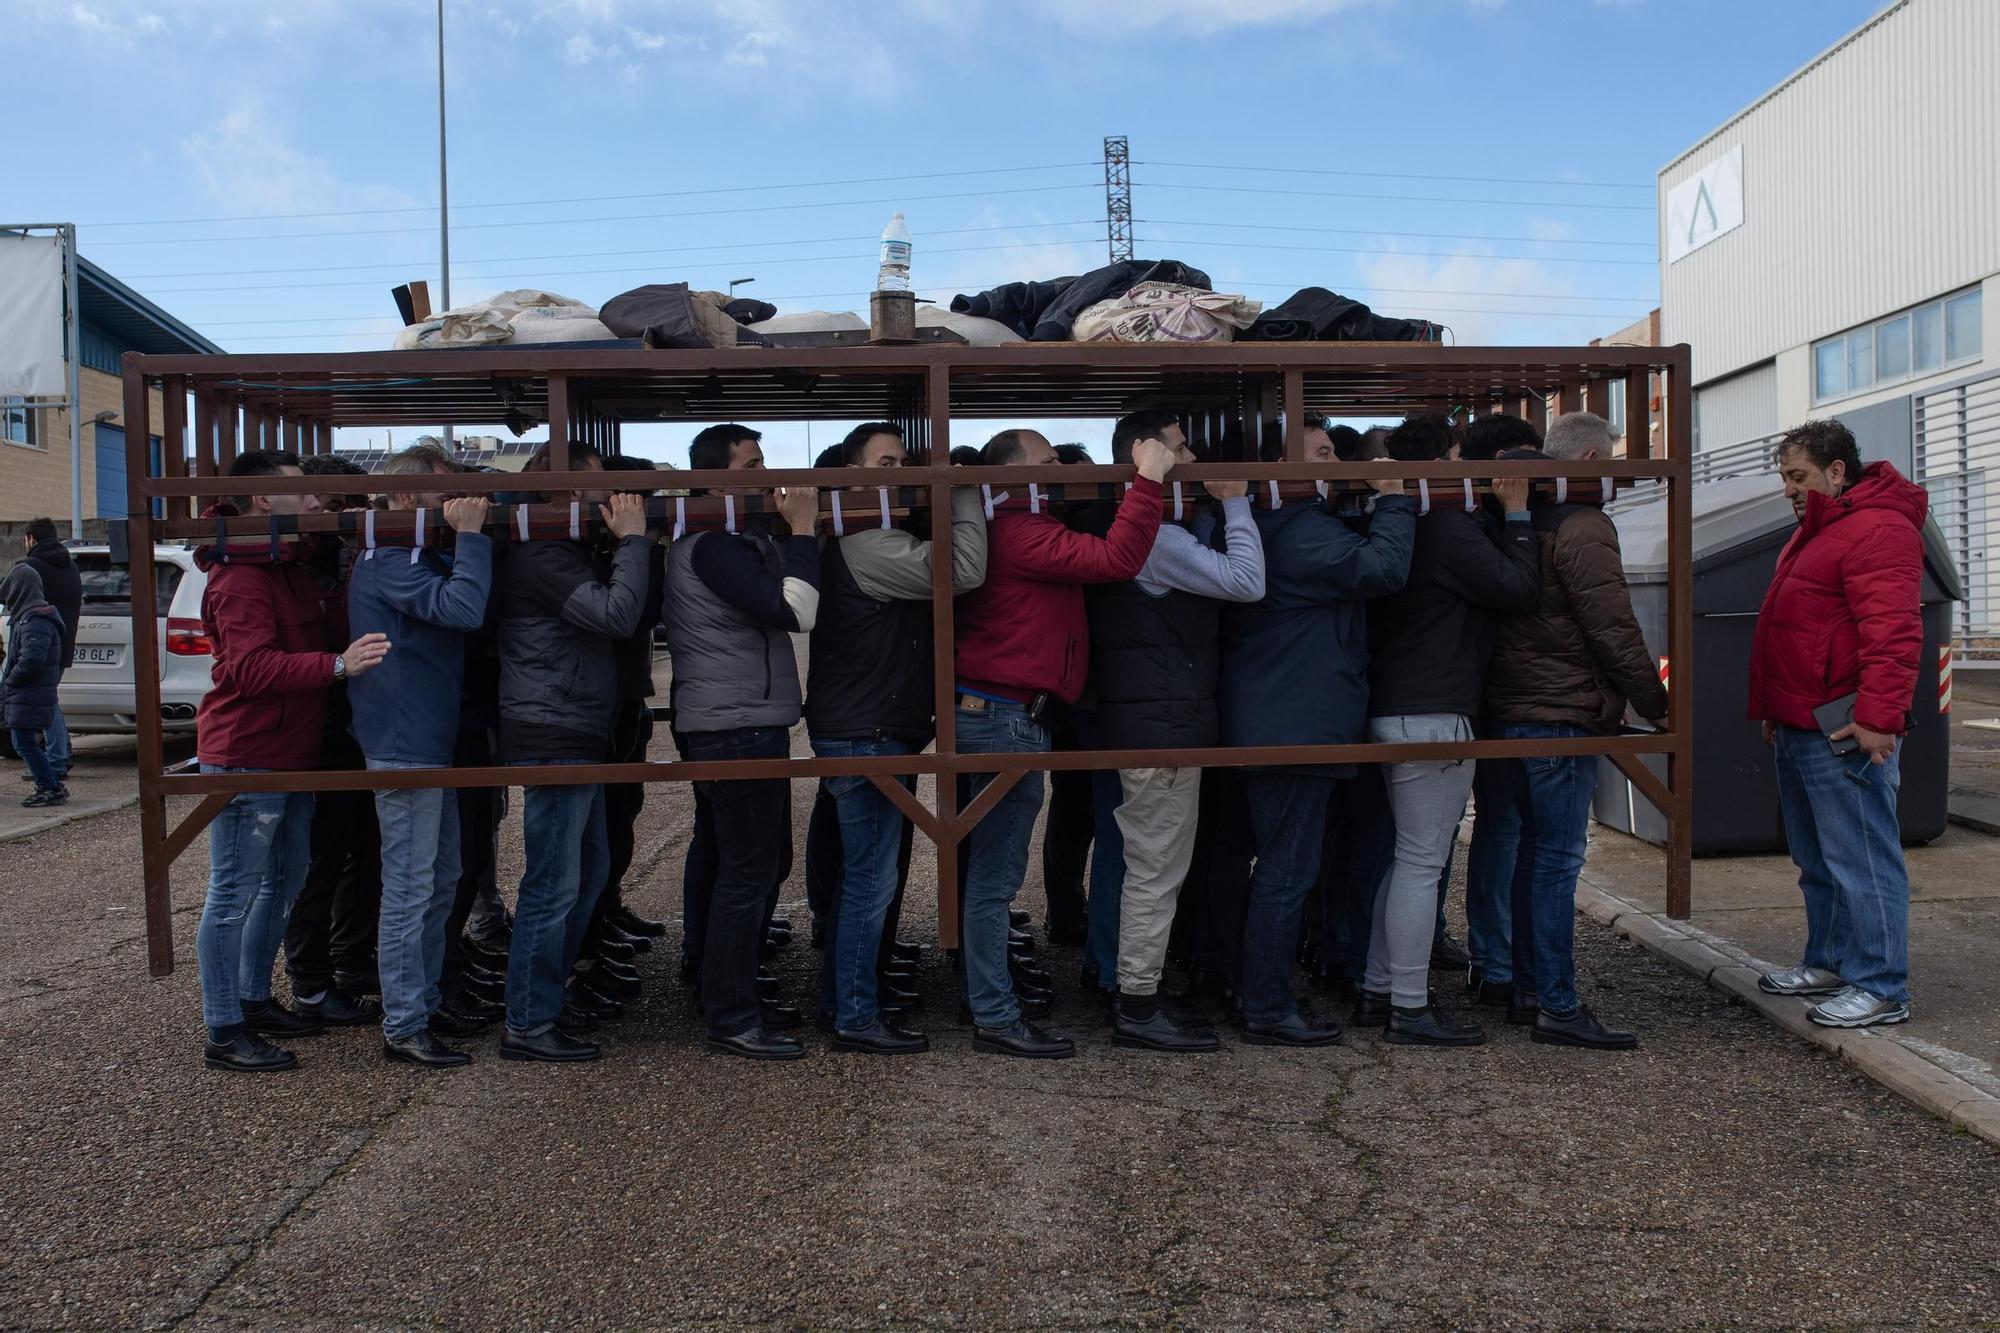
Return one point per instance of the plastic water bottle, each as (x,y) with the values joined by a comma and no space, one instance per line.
(894,275)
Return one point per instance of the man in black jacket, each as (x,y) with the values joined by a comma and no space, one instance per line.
(870,693)
(63,587)
(1429,644)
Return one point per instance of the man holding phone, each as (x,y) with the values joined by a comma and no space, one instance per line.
(1833,672)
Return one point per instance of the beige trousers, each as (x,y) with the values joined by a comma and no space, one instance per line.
(1157,819)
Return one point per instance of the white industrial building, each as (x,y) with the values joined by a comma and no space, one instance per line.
(1834,250)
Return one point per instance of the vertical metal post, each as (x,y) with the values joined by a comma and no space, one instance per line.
(1677,402)
(558,423)
(1118,197)
(173,440)
(146,674)
(444,211)
(73,351)
(1295,416)
(944,634)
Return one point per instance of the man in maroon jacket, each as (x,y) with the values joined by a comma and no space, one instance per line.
(275,655)
(1023,652)
(1841,626)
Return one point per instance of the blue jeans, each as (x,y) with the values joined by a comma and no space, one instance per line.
(999,856)
(568,857)
(420,865)
(1489,868)
(871,843)
(1551,805)
(1288,819)
(58,742)
(258,851)
(1842,830)
(40,760)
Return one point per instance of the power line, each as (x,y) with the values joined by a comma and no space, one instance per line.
(594,198)
(1378,231)
(1404,175)
(615,217)
(1432,254)
(1404,198)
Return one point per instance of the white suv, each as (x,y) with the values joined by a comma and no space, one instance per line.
(97,692)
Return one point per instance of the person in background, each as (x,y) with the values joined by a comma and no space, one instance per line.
(1842,619)
(1565,669)
(733,602)
(1310,626)
(275,658)
(1022,655)
(406,716)
(1428,646)
(559,626)
(63,586)
(33,669)
(330,935)
(870,692)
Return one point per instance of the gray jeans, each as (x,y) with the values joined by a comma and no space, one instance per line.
(1427,799)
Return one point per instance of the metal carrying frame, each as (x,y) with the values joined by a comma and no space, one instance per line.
(584,395)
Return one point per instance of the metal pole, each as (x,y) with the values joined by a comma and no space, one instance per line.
(444,215)
(73,341)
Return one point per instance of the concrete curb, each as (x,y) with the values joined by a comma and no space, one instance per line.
(1875,1052)
(70,814)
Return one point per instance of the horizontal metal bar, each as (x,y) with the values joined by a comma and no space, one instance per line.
(560,775)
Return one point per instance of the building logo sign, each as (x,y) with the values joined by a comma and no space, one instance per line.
(1706,205)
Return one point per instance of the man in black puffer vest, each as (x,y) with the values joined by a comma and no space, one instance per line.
(1155,651)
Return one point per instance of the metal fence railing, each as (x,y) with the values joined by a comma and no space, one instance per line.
(1751,458)
(1955,436)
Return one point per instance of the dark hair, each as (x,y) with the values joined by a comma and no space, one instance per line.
(1346,442)
(1420,439)
(966,455)
(1073,453)
(1003,449)
(579,454)
(831,456)
(858,438)
(710,450)
(627,463)
(1490,436)
(1136,426)
(41,529)
(1826,442)
(262,462)
(331,465)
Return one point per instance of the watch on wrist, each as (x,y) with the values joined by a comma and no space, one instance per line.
(339,667)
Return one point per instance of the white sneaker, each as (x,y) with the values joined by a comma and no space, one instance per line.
(1856,1008)
(1800,981)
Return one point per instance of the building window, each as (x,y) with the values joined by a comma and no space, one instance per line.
(17,423)
(1907,345)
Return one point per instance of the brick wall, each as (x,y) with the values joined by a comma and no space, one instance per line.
(35,481)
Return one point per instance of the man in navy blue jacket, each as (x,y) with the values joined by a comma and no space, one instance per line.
(1312,625)
(406,716)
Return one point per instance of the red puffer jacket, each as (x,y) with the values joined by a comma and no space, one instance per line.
(275,638)
(1842,615)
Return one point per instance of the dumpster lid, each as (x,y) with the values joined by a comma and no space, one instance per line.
(1733,512)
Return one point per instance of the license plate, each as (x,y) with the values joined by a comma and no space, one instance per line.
(89,655)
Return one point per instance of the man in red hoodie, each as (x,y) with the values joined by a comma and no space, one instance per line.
(1841,625)
(276,652)
(1023,653)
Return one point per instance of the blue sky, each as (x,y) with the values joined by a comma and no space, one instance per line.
(1402,153)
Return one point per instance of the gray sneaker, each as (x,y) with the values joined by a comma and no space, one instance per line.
(1800,981)
(1856,1008)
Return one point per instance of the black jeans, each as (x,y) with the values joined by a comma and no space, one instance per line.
(1067,833)
(1218,884)
(1358,849)
(631,739)
(479,813)
(750,824)
(330,937)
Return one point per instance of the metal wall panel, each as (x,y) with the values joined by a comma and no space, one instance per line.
(1742,407)
(1871,181)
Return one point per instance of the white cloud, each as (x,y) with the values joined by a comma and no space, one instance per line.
(1194,17)
(1429,286)
(246,160)
(581,50)
(125,27)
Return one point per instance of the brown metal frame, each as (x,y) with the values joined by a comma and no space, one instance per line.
(584,394)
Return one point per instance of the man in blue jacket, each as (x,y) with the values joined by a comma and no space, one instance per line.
(1311,626)
(406,716)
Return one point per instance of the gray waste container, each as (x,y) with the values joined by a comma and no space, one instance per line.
(1740,525)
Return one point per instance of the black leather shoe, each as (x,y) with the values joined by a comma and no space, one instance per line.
(1018,919)
(485,955)
(573,1020)
(1029,1009)
(1479,990)
(1032,975)
(1448,955)
(587,999)
(1020,941)
(1069,936)
(903,978)
(485,976)
(891,999)
(613,983)
(454,1021)
(615,951)
(358,983)
(481,992)
(617,934)
(780,1016)
(631,922)
(1024,1041)
(1025,991)
(770,991)
(273,1019)
(881,1038)
(1580,1029)
(818,933)
(783,923)
(623,971)
(247,1053)
(1522,1008)
(421,1048)
(758,1044)
(1426,1027)
(337,1009)
(554,1047)
(1160,1033)
(909,953)
(1291,1030)
(776,938)
(1371,1010)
